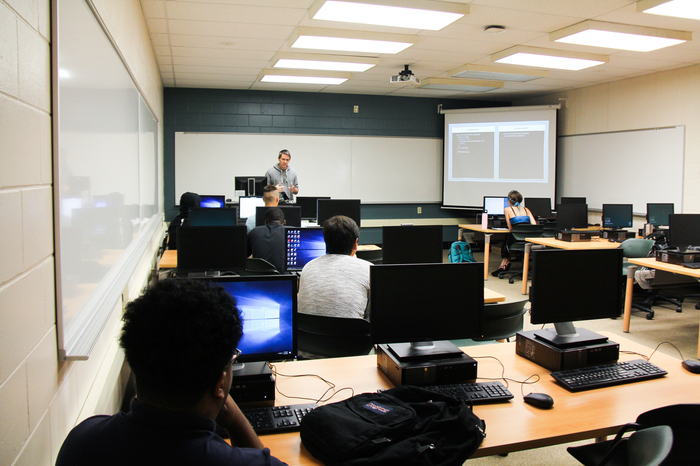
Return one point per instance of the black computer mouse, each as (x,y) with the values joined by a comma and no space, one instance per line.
(691,365)
(539,400)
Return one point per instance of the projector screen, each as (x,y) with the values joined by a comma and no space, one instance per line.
(491,151)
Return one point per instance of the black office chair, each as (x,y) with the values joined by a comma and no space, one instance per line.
(501,321)
(520,232)
(645,447)
(332,337)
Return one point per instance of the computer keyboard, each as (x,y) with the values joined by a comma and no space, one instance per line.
(692,265)
(277,419)
(476,393)
(604,375)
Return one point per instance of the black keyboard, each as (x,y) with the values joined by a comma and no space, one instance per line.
(604,375)
(476,393)
(276,419)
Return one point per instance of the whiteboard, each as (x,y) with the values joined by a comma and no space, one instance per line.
(629,167)
(373,169)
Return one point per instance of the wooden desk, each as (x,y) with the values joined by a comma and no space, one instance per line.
(511,426)
(491,296)
(651,263)
(487,242)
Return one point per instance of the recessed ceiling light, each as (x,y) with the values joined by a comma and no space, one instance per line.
(323,62)
(497,72)
(304,77)
(463,85)
(349,41)
(548,58)
(677,8)
(420,14)
(619,36)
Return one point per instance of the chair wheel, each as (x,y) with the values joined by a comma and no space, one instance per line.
(511,281)
(679,309)
(650,316)
(697,306)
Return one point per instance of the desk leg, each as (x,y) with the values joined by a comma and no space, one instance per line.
(628,298)
(487,249)
(526,266)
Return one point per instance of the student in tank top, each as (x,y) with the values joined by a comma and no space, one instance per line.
(515,214)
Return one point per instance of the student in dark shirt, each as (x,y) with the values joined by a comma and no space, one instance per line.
(180,340)
(267,241)
(187,201)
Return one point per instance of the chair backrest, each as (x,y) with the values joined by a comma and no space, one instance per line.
(684,420)
(502,320)
(650,446)
(550,230)
(636,247)
(329,337)
(521,231)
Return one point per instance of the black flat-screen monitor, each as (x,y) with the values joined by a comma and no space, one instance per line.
(292,215)
(308,206)
(212,200)
(221,217)
(540,207)
(252,185)
(495,205)
(571,286)
(328,208)
(412,244)
(303,245)
(657,214)
(417,307)
(268,307)
(572,216)
(617,216)
(247,205)
(211,250)
(683,230)
(573,200)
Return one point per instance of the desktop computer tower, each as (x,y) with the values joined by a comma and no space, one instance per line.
(548,356)
(425,371)
(253,385)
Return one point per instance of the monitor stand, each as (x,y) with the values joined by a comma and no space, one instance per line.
(425,350)
(565,335)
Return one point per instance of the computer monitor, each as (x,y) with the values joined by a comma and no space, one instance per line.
(683,230)
(495,205)
(212,200)
(573,200)
(303,245)
(572,216)
(328,208)
(211,250)
(221,217)
(541,207)
(252,185)
(617,216)
(292,215)
(574,285)
(657,214)
(247,205)
(308,206)
(417,307)
(412,244)
(268,307)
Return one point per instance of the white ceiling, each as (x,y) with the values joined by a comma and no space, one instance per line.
(227,43)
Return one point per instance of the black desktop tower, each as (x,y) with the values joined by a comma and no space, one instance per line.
(253,385)
(548,356)
(425,371)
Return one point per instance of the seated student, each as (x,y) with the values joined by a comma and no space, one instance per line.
(267,241)
(187,201)
(180,339)
(271,198)
(336,284)
(515,214)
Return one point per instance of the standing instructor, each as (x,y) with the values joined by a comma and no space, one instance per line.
(283,177)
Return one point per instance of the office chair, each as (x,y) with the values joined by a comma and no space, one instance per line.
(645,447)
(501,321)
(332,337)
(520,232)
(636,248)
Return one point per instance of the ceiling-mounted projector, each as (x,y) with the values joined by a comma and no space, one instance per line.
(404,76)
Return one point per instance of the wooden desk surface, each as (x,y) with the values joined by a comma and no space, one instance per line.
(491,296)
(594,243)
(511,426)
(489,231)
(652,263)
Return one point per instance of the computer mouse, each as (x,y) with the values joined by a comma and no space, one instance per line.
(691,365)
(539,400)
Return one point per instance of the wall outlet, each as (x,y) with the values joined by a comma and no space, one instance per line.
(420,210)
(356,109)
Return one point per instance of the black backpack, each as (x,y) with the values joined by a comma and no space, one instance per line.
(405,425)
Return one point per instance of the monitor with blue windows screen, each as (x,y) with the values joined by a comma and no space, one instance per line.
(212,200)
(657,214)
(303,245)
(617,216)
(268,307)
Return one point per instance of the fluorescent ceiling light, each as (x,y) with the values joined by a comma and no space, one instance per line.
(463,85)
(323,62)
(304,77)
(497,72)
(349,41)
(619,36)
(422,14)
(678,8)
(548,58)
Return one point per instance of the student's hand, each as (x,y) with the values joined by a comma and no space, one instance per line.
(280,188)
(239,429)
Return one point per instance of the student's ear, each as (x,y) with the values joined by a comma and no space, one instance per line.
(220,389)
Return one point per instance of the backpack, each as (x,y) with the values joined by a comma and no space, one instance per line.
(460,251)
(406,425)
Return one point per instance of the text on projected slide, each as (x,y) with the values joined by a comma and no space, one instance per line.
(503,151)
